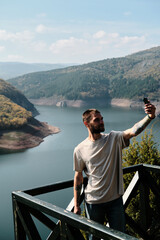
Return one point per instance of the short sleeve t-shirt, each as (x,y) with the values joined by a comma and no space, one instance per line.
(101,161)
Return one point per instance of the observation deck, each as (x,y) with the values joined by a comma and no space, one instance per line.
(63,224)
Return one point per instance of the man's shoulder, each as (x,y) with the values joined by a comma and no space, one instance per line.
(81,144)
(111,134)
(115,133)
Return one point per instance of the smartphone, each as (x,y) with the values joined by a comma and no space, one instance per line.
(145,100)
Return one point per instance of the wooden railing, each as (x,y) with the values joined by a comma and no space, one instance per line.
(27,208)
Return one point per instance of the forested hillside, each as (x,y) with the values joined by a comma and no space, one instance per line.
(12,115)
(132,77)
(10,92)
(15,109)
(18,127)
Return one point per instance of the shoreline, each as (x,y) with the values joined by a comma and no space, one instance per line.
(29,136)
(127,103)
(117,102)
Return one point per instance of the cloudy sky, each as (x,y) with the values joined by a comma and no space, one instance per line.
(76,31)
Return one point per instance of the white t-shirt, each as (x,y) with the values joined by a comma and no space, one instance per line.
(101,161)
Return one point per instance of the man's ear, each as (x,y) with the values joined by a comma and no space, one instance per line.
(85,123)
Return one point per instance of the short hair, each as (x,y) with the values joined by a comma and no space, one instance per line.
(87,115)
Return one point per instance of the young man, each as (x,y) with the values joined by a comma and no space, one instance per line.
(100,157)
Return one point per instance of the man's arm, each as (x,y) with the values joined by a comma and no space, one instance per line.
(141,125)
(78,180)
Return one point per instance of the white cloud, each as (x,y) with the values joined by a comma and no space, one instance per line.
(14,57)
(113,35)
(134,39)
(71,45)
(4,35)
(129,44)
(131,41)
(43,29)
(99,34)
(2,48)
(24,36)
(109,39)
(90,48)
(114,40)
(40,28)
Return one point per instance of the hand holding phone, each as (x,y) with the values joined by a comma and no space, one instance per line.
(145,100)
(149,109)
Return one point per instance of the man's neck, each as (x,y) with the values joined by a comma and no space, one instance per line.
(95,136)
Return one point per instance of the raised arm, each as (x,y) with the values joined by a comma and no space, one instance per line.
(141,125)
(78,180)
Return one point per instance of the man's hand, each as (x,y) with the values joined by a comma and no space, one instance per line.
(150,109)
(141,125)
(77,210)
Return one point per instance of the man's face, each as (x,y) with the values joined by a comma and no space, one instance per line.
(96,124)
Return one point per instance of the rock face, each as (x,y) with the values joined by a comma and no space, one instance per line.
(29,136)
(61,104)
(70,103)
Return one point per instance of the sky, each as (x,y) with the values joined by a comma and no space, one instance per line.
(76,31)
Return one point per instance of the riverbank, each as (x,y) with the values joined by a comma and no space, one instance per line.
(29,136)
(127,103)
(118,102)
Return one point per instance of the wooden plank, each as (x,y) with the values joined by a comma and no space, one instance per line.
(153,185)
(28,223)
(49,188)
(63,232)
(18,228)
(152,168)
(144,202)
(55,234)
(131,189)
(76,233)
(42,218)
(137,228)
(133,168)
(70,235)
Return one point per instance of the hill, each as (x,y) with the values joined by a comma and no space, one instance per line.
(14,69)
(11,114)
(130,77)
(16,97)
(18,128)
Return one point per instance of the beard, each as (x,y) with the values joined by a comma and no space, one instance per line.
(97,129)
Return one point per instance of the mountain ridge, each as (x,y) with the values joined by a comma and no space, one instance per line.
(130,77)
(15,69)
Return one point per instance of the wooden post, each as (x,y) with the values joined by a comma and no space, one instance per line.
(144,201)
(18,228)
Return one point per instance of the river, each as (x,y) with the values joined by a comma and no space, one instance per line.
(51,161)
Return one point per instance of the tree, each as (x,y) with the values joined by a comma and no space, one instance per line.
(145,151)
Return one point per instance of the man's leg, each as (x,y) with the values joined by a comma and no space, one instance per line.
(116,214)
(95,212)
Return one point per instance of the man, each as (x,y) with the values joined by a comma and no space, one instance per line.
(100,157)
